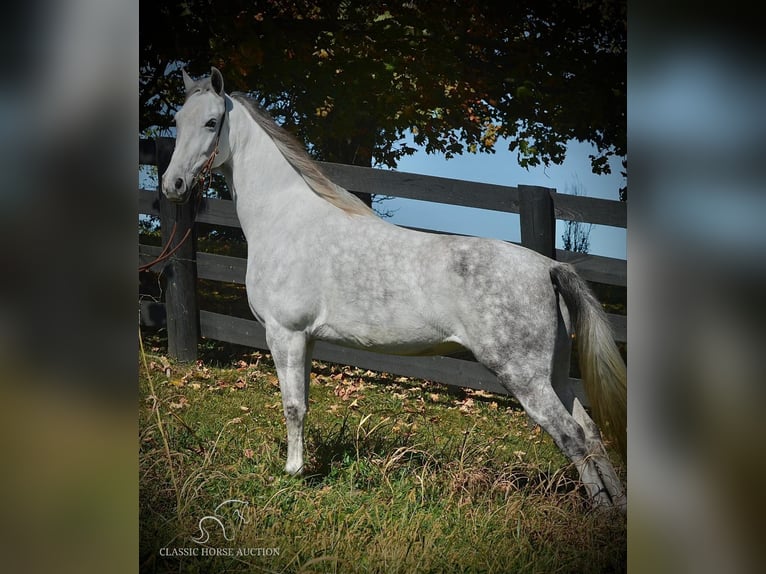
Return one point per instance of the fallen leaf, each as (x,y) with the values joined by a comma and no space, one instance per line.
(418,409)
(182,403)
(345,390)
(466,405)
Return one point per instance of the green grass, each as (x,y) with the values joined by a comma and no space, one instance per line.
(401,476)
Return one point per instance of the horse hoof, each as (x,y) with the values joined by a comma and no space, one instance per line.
(294,470)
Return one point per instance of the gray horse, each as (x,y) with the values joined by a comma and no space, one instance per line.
(322,266)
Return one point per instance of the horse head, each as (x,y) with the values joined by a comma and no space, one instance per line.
(199,126)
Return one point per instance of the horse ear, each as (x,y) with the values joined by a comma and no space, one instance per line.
(216,79)
(188,82)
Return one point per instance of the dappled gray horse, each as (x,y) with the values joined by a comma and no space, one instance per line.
(322,266)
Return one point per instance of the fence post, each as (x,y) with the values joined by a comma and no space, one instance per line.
(180,271)
(538,220)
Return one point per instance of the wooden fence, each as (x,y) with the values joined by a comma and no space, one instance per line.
(538,208)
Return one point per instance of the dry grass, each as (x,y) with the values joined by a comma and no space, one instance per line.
(402,476)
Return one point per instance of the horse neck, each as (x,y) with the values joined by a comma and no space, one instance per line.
(264,184)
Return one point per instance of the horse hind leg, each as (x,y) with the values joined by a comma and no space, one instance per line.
(536,395)
(574,407)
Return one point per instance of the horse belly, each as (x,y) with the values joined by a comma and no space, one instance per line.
(395,335)
(378,343)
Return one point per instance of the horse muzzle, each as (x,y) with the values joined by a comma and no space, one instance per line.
(176,189)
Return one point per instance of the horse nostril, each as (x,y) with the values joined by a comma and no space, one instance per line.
(179,183)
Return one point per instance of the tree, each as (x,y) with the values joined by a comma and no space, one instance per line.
(351,79)
(576,236)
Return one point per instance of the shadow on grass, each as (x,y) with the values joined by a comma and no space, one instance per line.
(342,449)
(366,462)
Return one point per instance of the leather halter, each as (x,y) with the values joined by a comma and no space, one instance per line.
(206,173)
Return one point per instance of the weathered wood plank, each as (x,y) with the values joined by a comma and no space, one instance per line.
(221,267)
(212,211)
(597,268)
(148,202)
(218,212)
(232,270)
(591,267)
(619,325)
(445,370)
(209,265)
(538,226)
(579,391)
(424,187)
(232,330)
(591,210)
(147,152)
(147,254)
(449,191)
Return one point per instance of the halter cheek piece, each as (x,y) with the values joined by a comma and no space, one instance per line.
(206,173)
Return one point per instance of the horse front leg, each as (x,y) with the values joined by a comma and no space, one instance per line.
(292,356)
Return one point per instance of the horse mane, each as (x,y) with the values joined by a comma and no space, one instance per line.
(296,156)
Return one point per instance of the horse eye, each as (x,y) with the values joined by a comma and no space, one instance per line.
(210,123)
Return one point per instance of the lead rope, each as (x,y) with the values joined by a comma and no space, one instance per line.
(206,173)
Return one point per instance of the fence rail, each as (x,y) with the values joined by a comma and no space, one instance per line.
(537,207)
(471,194)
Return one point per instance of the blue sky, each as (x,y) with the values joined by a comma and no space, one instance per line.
(502,168)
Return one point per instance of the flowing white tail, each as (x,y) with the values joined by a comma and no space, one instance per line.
(601,365)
